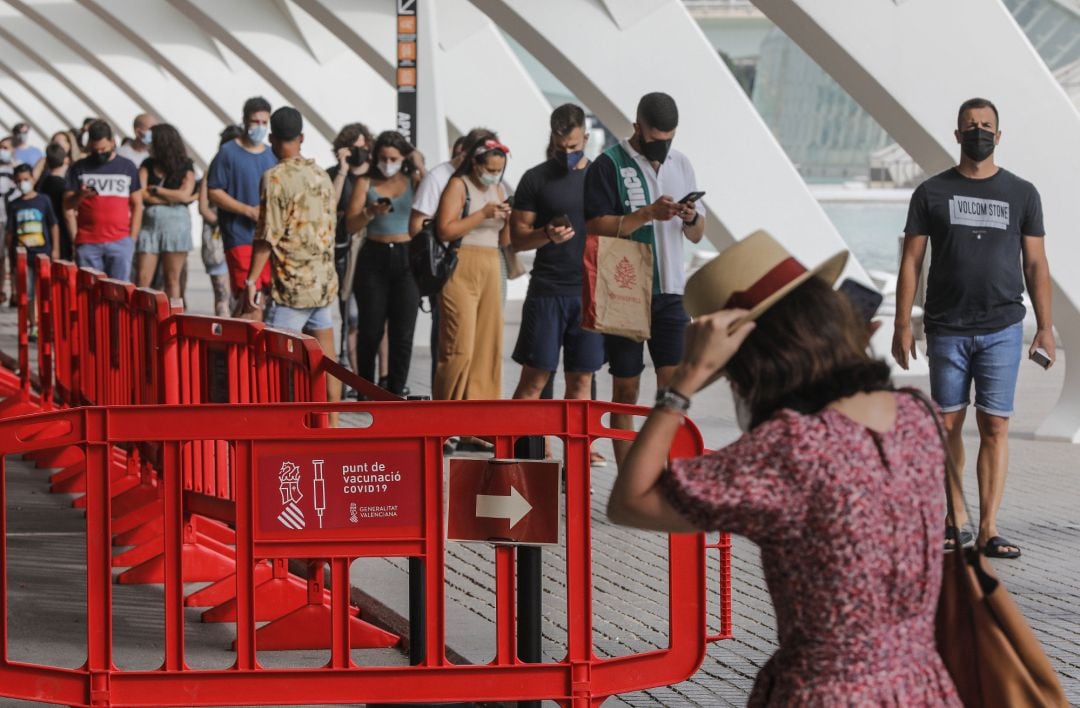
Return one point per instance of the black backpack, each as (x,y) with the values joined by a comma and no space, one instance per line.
(431,259)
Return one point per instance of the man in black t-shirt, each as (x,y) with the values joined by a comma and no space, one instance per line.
(52,186)
(549,216)
(986,230)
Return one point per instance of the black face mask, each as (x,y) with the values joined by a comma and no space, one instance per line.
(357,157)
(977,144)
(100,158)
(655,150)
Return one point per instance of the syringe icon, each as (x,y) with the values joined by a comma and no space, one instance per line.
(319,494)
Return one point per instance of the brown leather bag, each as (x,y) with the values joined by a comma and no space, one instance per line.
(994,658)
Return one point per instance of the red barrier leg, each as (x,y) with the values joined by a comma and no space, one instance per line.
(308,626)
(140,516)
(276,596)
(148,531)
(148,548)
(203,558)
(18,405)
(225,589)
(57,458)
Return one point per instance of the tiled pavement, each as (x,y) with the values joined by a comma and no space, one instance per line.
(630,603)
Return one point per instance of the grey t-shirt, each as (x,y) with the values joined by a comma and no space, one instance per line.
(976,228)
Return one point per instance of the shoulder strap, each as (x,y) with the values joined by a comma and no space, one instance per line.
(951,473)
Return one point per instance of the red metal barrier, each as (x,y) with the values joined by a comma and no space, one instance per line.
(20,399)
(407,437)
(65,330)
(85,303)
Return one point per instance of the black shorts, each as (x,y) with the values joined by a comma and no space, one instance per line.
(627,357)
(549,322)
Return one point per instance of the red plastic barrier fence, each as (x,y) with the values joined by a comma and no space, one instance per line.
(113,338)
(86,306)
(20,399)
(65,331)
(407,438)
(43,302)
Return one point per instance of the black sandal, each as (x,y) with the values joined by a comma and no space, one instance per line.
(993,548)
(967,539)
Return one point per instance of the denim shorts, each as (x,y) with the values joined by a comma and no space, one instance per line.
(112,257)
(166,228)
(991,361)
(551,322)
(669,320)
(294,319)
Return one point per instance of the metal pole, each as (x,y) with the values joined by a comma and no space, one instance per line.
(530,606)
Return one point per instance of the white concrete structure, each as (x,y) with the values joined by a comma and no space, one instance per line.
(194,62)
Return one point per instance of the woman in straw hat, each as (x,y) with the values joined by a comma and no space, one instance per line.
(834,480)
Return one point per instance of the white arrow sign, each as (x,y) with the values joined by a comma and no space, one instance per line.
(513,507)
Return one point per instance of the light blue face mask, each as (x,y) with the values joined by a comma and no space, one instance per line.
(257,133)
(147,138)
(490,179)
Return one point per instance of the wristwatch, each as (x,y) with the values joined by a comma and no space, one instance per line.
(671,399)
(249,283)
(697,215)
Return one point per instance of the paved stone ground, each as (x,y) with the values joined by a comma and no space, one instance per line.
(630,601)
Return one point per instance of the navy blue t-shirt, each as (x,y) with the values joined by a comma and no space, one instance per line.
(550,191)
(976,228)
(31,220)
(238,172)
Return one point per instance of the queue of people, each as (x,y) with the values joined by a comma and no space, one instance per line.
(835,463)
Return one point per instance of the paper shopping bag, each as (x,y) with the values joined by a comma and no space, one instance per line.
(617,287)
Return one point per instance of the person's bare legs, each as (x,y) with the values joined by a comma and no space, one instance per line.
(145,266)
(624,389)
(954,428)
(578,385)
(325,338)
(173,263)
(532,382)
(993,466)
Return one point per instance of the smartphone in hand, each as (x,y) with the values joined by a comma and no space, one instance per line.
(562,221)
(691,197)
(866,301)
(1040,357)
(385,201)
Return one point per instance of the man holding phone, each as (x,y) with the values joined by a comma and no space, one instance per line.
(986,228)
(630,192)
(549,216)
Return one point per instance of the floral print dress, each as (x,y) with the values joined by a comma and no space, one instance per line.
(849,522)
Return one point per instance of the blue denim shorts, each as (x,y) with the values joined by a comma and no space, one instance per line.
(294,319)
(991,361)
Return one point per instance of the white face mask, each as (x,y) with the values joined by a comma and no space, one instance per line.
(26,186)
(5,155)
(743,415)
(389,169)
(490,179)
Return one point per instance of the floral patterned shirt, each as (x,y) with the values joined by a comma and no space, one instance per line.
(850,523)
(297,217)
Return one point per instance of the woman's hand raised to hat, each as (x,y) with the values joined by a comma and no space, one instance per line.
(711,342)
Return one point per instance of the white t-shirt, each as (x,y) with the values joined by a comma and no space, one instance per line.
(136,156)
(428,194)
(676,179)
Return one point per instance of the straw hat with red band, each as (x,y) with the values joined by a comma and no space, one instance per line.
(753,274)
(490,146)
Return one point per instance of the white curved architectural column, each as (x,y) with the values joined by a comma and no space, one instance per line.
(208,69)
(128,68)
(67,67)
(307,64)
(610,54)
(455,39)
(884,54)
(37,115)
(45,88)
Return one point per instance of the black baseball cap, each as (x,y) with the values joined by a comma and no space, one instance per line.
(286,123)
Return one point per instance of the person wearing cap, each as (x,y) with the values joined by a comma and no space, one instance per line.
(838,479)
(233,188)
(474,215)
(630,192)
(295,234)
